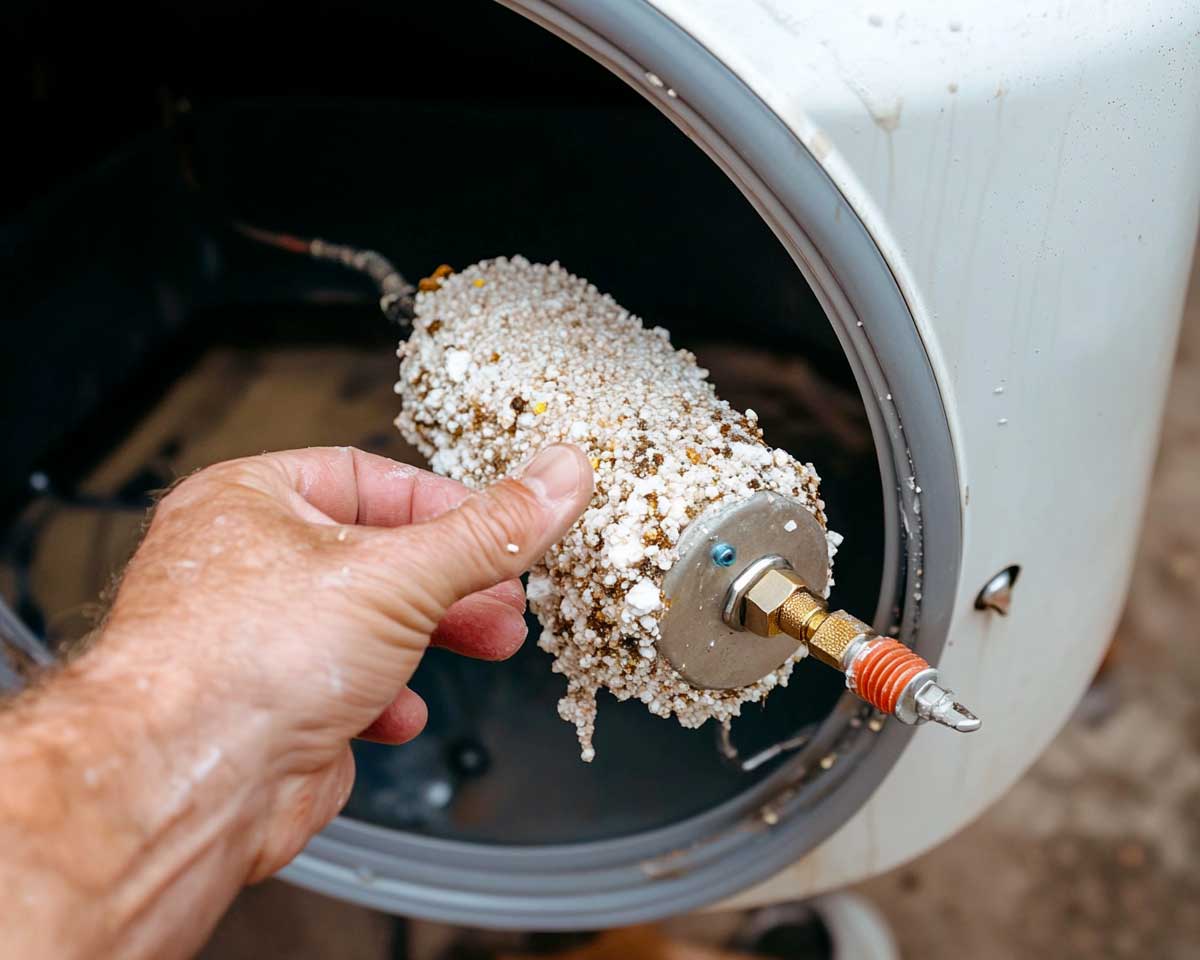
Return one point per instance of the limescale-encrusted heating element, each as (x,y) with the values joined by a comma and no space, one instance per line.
(508,356)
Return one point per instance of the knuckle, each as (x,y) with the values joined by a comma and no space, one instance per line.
(210,502)
(393,576)
(175,500)
(481,536)
(195,488)
(509,513)
(497,518)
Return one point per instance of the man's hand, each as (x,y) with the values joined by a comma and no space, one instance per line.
(276,608)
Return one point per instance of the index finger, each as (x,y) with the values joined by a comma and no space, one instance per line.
(350,486)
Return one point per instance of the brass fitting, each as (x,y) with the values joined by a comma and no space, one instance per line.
(771,593)
(833,636)
(780,602)
(803,616)
(882,671)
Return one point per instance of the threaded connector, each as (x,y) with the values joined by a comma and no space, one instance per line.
(834,636)
(882,671)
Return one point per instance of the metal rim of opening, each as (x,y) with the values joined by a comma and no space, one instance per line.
(746,840)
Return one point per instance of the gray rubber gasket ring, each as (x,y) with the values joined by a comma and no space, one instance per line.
(721,852)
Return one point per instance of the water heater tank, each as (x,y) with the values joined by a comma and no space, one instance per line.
(994,206)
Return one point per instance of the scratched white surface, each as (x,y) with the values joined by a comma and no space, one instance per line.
(1031,172)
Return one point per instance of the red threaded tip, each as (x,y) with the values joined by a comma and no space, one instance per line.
(882,672)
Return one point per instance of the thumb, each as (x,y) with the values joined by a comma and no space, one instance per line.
(498,533)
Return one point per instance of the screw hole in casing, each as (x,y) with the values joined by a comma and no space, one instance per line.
(996,594)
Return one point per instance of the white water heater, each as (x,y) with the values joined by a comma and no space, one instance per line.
(977,218)
(996,206)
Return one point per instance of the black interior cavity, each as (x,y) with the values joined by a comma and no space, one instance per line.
(444,134)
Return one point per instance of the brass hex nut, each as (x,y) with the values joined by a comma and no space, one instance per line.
(760,613)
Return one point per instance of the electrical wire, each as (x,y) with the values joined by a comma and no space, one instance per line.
(19,637)
(10,680)
(395,292)
(15,551)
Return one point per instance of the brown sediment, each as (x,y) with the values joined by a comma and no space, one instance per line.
(540,356)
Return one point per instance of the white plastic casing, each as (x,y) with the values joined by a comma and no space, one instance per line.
(1031,173)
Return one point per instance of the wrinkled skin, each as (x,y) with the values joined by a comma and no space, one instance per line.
(276,608)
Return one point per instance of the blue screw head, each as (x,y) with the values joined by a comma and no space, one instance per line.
(724,554)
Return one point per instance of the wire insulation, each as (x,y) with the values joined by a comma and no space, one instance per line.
(395,292)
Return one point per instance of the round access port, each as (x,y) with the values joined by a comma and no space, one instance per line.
(150,339)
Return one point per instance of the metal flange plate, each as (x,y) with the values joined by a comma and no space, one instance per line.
(705,651)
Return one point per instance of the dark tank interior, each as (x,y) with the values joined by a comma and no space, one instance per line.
(144,338)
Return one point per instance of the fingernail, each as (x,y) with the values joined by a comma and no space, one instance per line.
(554,474)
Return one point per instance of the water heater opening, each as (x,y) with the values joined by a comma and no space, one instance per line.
(491,138)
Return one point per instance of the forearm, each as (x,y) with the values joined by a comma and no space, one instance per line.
(128,808)
(276,608)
